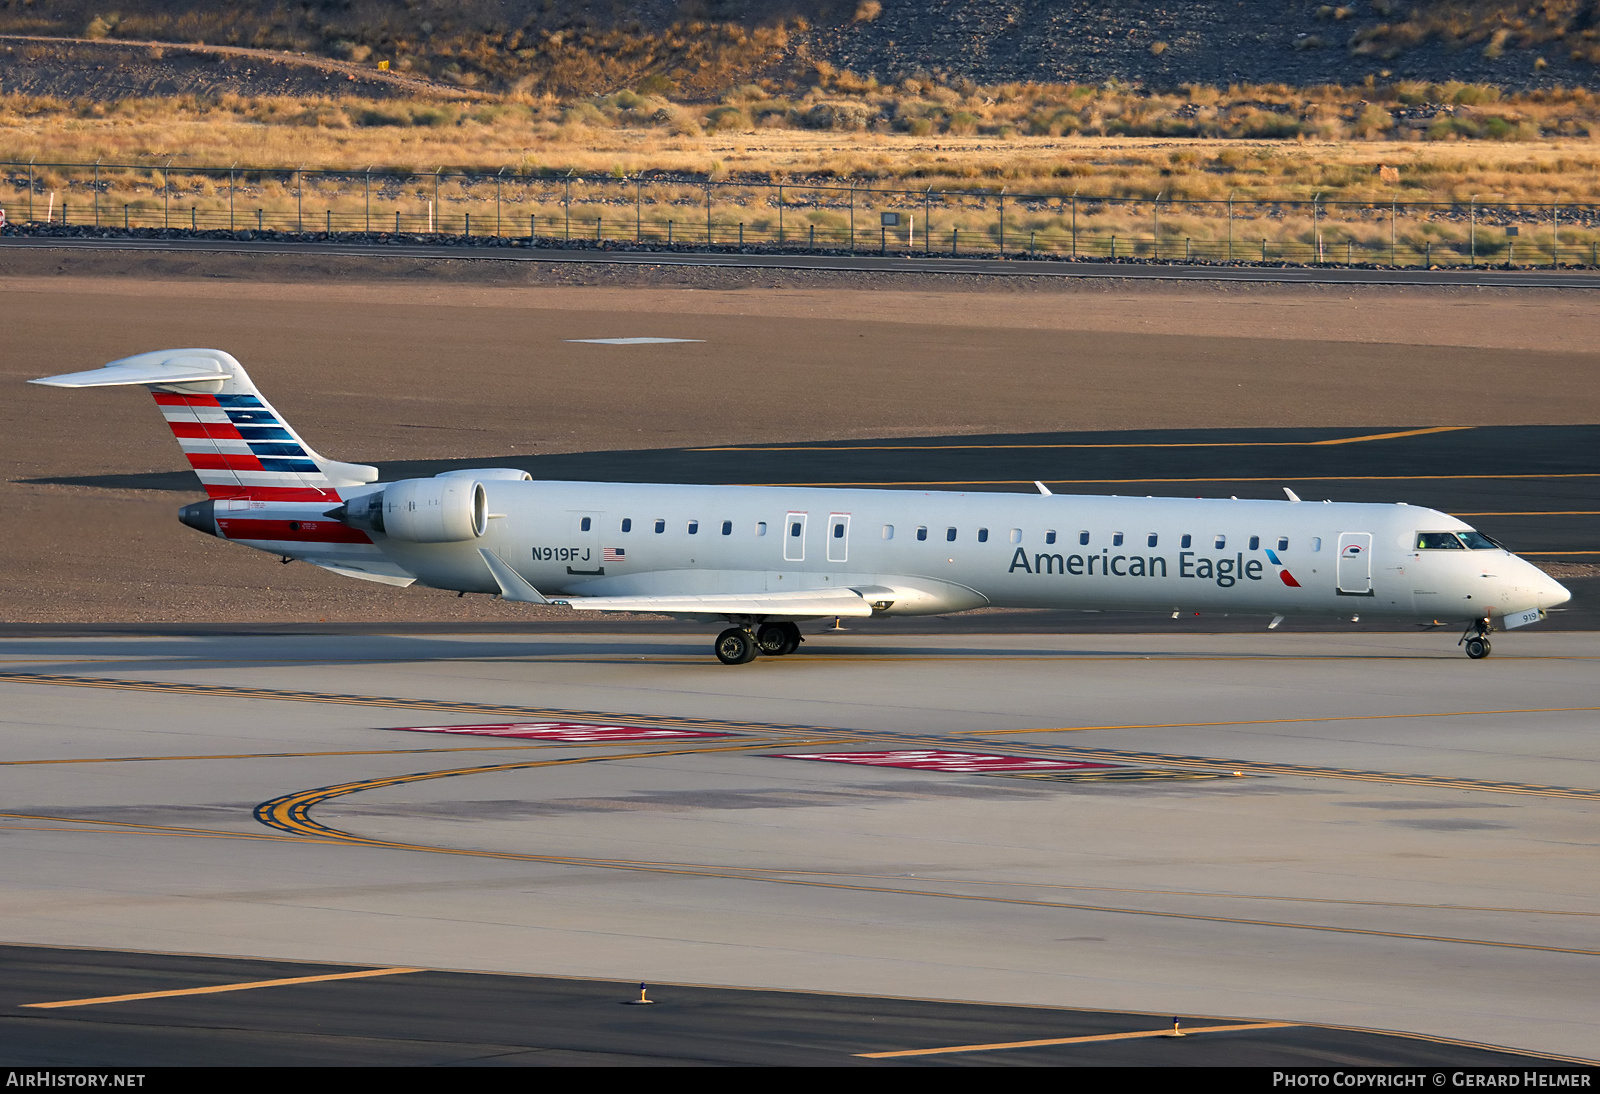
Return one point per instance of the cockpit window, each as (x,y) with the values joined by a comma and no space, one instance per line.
(1479,542)
(1438,541)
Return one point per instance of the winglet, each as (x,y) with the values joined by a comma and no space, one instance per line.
(1292,495)
(1043,489)
(512,585)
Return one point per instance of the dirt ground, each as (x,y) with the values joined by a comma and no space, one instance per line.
(406,359)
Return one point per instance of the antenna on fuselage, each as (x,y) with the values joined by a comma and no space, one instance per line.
(1043,489)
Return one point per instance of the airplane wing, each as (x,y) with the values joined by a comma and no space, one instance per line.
(819,603)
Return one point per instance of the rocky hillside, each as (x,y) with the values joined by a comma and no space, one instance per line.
(702,48)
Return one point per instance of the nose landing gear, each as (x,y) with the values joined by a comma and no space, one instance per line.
(1476,639)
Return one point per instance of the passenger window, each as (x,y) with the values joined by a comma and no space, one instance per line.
(983,535)
(627,524)
(1283,543)
(1083,538)
(694,527)
(794,530)
(888,531)
(1116,539)
(1255,543)
(661,526)
(727,527)
(838,531)
(761,527)
(1050,536)
(922,533)
(1186,542)
(1438,541)
(950,535)
(1016,535)
(1222,541)
(1151,541)
(1316,543)
(586,523)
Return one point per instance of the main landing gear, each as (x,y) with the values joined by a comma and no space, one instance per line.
(1476,639)
(739,645)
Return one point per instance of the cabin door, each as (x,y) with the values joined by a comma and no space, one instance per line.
(838,537)
(1355,564)
(794,538)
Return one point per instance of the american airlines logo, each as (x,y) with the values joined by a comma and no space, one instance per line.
(1226,572)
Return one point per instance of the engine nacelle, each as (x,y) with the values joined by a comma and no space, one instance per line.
(441,510)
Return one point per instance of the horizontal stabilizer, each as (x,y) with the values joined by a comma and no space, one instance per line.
(818,603)
(174,370)
(384,573)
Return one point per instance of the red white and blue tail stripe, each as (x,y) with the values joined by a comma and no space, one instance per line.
(238,445)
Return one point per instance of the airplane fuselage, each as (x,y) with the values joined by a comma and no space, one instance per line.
(946,551)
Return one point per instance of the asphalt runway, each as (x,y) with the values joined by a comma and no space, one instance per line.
(753,259)
(1357,831)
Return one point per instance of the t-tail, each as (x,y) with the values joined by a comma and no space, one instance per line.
(239,446)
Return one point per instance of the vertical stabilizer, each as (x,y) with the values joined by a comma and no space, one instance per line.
(238,445)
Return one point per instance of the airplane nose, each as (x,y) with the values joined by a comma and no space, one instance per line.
(1552,593)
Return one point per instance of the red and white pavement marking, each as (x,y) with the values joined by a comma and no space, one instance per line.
(961,763)
(567,732)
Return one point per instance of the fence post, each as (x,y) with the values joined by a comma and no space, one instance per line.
(30,190)
(258,218)
(1555,236)
(708,212)
(1230,225)
(638,210)
(300,198)
(1074,224)
(497,175)
(1002,222)
(927,221)
(97,193)
(533,223)
(433,206)
(467,231)
(124,217)
(166,197)
(397,222)
(741,235)
(597,229)
(1113,247)
(194,222)
(1155,238)
(780,214)
(230,195)
(955,241)
(852,218)
(327,222)
(1394,252)
(1473,232)
(811,244)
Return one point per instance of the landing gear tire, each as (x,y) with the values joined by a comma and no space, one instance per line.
(736,646)
(778,639)
(1476,639)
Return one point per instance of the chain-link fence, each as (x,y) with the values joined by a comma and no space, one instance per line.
(662,210)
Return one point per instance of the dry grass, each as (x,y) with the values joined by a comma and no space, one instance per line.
(629,134)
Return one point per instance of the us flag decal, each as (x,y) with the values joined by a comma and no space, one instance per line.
(613,554)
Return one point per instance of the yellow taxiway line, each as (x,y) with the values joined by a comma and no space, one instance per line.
(215,988)
(1032,447)
(1073,1040)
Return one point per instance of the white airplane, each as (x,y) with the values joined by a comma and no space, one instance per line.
(765,558)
